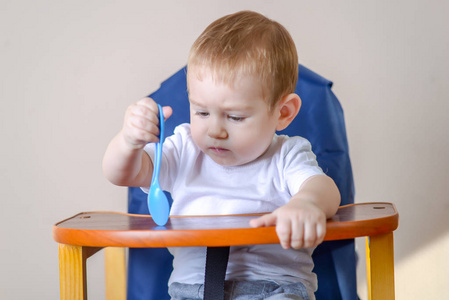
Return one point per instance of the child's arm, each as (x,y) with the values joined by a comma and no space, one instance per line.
(125,163)
(301,223)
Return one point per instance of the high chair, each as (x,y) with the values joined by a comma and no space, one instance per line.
(149,264)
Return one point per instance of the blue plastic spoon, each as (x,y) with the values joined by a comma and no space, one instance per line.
(157,201)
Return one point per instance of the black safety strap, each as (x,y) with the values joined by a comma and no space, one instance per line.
(216,264)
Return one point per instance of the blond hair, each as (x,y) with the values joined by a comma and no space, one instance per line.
(248,43)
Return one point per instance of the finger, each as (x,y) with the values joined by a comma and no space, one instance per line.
(310,234)
(137,138)
(284,230)
(148,112)
(148,109)
(168,111)
(320,232)
(140,129)
(143,123)
(264,221)
(144,115)
(297,236)
(153,107)
(149,103)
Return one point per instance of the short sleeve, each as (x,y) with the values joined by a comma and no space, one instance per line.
(299,163)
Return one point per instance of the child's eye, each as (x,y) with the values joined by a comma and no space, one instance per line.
(202,114)
(236,118)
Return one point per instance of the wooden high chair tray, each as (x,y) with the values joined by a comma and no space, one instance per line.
(112,229)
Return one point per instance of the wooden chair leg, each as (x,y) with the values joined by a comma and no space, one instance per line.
(115,273)
(72,271)
(380,266)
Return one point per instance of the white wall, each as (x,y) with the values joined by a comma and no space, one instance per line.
(70,68)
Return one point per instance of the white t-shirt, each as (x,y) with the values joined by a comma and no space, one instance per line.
(199,186)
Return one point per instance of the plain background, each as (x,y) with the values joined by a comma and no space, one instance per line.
(69,69)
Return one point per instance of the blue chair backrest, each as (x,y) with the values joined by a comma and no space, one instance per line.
(321,121)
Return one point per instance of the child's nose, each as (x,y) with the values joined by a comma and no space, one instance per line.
(216,130)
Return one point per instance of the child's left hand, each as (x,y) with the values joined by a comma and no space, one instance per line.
(299,224)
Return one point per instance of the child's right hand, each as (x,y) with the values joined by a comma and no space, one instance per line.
(141,124)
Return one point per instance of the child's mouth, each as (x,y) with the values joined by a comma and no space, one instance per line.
(218,150)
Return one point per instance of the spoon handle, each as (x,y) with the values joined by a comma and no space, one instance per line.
(158,150)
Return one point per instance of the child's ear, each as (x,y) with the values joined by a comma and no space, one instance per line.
(288,109)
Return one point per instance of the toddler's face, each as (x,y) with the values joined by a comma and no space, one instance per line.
(232,125)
